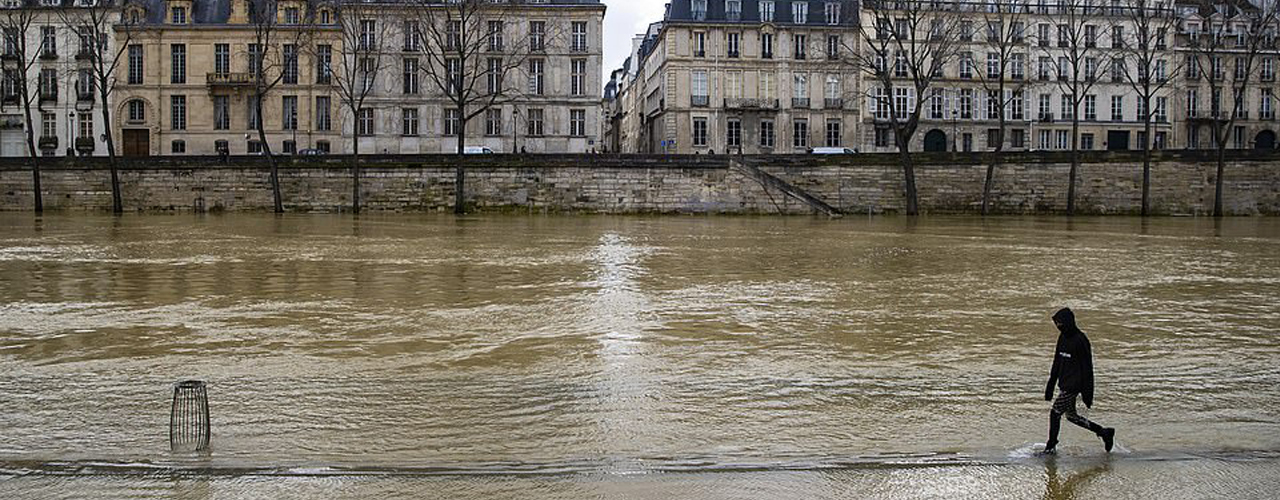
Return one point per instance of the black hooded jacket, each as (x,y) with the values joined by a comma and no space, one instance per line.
(1072,360)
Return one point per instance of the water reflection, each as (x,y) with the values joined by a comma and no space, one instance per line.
(1067,486)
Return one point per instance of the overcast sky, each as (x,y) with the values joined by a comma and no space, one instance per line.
(622,20)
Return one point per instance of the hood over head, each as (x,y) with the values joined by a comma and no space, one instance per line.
(1066,321)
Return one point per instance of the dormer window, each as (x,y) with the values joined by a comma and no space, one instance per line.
(326,16)
(178,15)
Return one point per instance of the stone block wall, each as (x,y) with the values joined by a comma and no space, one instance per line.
(1024,183)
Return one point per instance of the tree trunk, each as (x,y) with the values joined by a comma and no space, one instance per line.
(1146,167)
(355,174)
(1075,163)
(271,158)
(1217,185)
(31,147)
(459,175)
(117,204)
(909,181)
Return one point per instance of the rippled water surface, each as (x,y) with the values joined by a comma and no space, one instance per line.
(631,357)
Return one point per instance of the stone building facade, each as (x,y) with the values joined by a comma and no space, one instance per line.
(756,76)
(39,37)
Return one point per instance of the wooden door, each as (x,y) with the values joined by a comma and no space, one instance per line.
(137,142)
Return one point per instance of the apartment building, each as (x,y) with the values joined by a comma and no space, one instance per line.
(1049,45)
(750,76)
(1214,51)
(43,47)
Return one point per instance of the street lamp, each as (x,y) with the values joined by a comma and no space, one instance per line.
(955,117)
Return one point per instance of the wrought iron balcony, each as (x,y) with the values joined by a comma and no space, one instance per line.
(701,101)
(833,103)
(228,79)
(800,102)
(740,103)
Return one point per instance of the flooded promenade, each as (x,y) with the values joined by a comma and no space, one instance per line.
(633,357)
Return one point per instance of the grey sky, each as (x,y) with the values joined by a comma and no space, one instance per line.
(622,20)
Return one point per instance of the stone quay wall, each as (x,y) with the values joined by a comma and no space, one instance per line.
(1025,183)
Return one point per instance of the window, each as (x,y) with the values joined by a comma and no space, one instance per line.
(495,38)
(993,65)
(1018,138)
(733,133)
(493,78)
(832,13)
(1086,142)
(1061,139)
(410,75)
(451,121)
(1091,107)
(800,91)
(409,121)
(253,147)
(537,36)
(289,147)
(936,101)
(326,16)
(221,59)
(800,133)
(536,76)
(733,84)
(1043,142)
(579,36)
(48,124)
(1117,108)
(699,132)
(324,120)
(178,112)
(364,122)
(768,86)
(966,65)
(1019,64)
(323,146)
(799,12)
(834,137)
(453,35)
(1045,113)
(178,146)
(1267,110)
(1162,108)
(412,36)
(221,112)
(993,138)
(290,75)
(48,84)
(135,65)
(86,126)
(255,60)
(137,111)
(324,63)
(766,133)
(368,37)
(699,10)
(698,92)
(1268,69)
(368,71)
(49,41)
(577,76)
(252,114)
(833,46)
(292,15)
(493,121)
(733,44)
(883,137)
(800,42)
(1016,104)
(178,15)
(766,45)
(966,104)
(766,11)
(289,112)
(578,122)
(535,123)
(733,10)
(699,44)
(880,103)
(1067,106)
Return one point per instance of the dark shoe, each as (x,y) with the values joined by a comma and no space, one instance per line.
(1108,438)
(1050,447)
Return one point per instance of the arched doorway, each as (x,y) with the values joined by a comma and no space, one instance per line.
(1265,140)
(935,141)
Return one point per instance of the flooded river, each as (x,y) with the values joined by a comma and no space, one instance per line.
(633,357)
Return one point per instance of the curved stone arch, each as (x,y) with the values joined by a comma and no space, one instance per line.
(1266,139)
(150,111)
(935,141)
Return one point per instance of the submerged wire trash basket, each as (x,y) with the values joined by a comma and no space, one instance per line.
(189,418)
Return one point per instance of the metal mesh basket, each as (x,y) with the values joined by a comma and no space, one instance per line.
(189,418)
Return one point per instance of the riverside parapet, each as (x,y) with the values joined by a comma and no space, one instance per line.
(1025,183)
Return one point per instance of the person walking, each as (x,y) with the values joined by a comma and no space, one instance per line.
(1073,372)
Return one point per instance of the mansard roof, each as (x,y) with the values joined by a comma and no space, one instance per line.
(682,10)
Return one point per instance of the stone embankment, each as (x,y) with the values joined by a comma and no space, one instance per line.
(1109,183)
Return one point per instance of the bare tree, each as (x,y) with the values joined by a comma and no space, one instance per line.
(1242,36)
(93,21)
(903,48)
(1145,67)
(1076,70)
(1004,78)
(18,25)
(363,56)
(279,34)
(471,52)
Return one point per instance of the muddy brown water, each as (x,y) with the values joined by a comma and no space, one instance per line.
(633,357)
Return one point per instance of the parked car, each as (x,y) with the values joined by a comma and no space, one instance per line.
(311,152)
(832,151)
(477,150)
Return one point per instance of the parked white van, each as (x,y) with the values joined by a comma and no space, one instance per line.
(477,150)
(832,151)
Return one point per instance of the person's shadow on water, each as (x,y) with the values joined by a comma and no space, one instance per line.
(1064,487)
